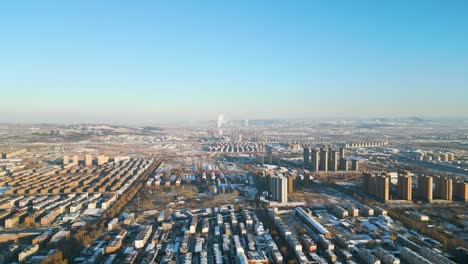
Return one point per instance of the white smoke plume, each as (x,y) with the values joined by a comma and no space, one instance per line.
(220,120)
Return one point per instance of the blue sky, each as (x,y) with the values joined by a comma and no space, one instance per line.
(190,60)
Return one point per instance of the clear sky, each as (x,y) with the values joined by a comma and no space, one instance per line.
(190,60)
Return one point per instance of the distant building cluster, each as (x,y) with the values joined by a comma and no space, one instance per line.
(89,160)
(226,147)
(328,159)
(167,177)
(74,179)
(295,245)
(309,240)
(218,179)
(435,156)
(343,211)
(446,188)
(210,235)
(89,196)
(454,137)
(281,183)
(366,144)
(14,153)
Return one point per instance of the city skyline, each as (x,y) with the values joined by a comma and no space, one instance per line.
(233,132)
(160,62)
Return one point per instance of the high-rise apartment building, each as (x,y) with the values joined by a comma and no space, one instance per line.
(88,160)
(306,157)
(327,159)
(367,182)
(343,163)
(377,185)
(404,186)
(333,164)
(443,188)
(75,159)
(101,159)
(324,159)
(315,160)
(451,156)
(268,154)
(291,180)
(65,160)
(355,165)
(425,187)
(383,192)
(279,188)
(461,190)
(342,153)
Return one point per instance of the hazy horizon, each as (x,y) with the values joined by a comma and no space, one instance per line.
(31,119)
(161,61)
